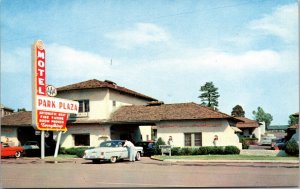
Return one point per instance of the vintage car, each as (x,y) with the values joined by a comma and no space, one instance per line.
(278,144)
(148,147)
(112,151)
(11,151)
(32,148)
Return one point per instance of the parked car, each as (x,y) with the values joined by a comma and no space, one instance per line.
(266,141)
(11,151)
(112,151)
(148,147)
(278,144)
(32,148)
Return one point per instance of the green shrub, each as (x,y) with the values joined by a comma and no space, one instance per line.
(245,143)
(80,152)
(185,151)
(62,150)
(175,151)
(74,151)
(216,150)
(195,151)
(231,150)
(159,141)
(292,147)
(203,150)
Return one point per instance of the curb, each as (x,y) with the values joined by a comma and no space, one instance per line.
(233,161)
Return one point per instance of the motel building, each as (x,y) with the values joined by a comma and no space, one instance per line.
(108,111)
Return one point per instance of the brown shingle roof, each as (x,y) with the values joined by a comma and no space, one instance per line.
(182,111)
(246,123)
(94,84)
(17,119)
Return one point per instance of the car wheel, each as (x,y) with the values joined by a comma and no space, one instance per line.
(18,154)
(138,156)
(113,159)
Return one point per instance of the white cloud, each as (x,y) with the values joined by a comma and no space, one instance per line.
(228,64)
(141,34)
(66,62)
(282,22)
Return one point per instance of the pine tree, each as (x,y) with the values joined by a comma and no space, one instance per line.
(209,96)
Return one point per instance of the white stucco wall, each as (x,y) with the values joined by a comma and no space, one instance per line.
(145,131)
(122,100)
(209,129)
(101,101)
(11,134)
(97,134)
(257,132)
(97,98)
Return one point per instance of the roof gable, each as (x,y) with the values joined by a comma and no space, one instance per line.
(95,84)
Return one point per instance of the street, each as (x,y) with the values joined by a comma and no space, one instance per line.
(33,173)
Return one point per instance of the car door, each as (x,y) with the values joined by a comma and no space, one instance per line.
(7,150)
(122,151)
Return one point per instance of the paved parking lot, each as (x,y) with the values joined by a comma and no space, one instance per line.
(32,173)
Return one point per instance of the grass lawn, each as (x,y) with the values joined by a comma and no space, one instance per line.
(225,157)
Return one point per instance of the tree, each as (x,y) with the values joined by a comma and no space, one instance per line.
(210,95)
(238,111)
(261,115)
(21,110)
(293,120)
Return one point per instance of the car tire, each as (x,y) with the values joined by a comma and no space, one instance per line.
(138,156)
(18,154)
(113,159)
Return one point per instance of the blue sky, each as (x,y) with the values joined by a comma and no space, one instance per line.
(163,49)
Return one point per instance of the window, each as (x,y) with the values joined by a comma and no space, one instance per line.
(187,139)
(192,139)
(198,139)
(84,105)
(81,139)
(114,103)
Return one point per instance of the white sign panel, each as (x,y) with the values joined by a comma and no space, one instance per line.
(56,104)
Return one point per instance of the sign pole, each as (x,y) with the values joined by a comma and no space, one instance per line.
(57,144)
(42,144)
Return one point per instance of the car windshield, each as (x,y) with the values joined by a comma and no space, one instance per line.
(111,144)
(5,145)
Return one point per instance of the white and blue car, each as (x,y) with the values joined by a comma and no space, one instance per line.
(112,151)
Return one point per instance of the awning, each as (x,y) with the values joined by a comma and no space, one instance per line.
(236,129)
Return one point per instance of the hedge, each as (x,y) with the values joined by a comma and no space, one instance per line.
(79,152)
(204,150)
